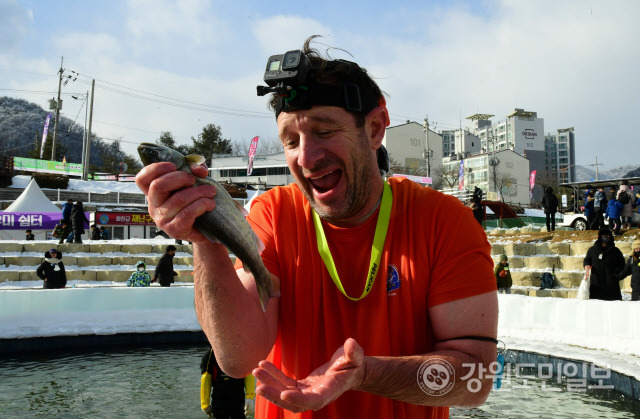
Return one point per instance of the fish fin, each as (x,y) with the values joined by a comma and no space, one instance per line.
(241,208)
(194,159)
(273,291)
(211,237)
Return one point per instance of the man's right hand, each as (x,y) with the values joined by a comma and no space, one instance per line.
(173,203)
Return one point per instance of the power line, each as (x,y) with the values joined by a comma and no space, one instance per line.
(179,103)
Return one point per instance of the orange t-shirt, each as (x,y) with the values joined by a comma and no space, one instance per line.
(435,252)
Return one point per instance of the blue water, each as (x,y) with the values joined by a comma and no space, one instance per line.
(164,382)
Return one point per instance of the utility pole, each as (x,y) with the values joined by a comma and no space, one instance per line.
(85,168)
(427,153)
(58,107)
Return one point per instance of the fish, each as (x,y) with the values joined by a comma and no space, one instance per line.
(226,224)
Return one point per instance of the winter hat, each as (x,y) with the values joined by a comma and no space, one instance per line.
(604,232)
(503,257)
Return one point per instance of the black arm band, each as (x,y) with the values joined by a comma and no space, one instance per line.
(482,338)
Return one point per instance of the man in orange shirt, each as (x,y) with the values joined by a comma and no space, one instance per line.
(340,340)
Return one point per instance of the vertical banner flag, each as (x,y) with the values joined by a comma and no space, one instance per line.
(532,182)
(45,131)
(461,175)
(252,152)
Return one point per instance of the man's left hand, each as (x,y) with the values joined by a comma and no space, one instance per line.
(345,371)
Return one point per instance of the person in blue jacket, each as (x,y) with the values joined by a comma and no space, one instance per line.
(614,209)
(140,278)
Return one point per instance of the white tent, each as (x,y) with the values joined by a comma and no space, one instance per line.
(32,200)
(247,206)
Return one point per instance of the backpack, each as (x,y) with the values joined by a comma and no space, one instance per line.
(624,198)
(547,279)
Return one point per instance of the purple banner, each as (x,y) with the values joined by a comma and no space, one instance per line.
(44,133)
(32,220)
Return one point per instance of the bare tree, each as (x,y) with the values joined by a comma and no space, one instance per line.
(450,176)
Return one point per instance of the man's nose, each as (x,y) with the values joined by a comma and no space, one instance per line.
(310,151)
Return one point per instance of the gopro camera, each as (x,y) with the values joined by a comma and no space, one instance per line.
(285,71)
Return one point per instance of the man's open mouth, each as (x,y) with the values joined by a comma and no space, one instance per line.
(326,182)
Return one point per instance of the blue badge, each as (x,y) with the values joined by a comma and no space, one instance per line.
(393,279)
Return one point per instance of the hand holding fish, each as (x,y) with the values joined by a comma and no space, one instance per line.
(345,371)
(187,213)
(173,203)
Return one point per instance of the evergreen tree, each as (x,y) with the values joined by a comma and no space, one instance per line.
(166,139)
(210,142)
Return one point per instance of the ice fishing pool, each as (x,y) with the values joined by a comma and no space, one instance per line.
(163,381)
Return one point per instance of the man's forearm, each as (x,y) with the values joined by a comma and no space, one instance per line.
(443,378)
(229,314)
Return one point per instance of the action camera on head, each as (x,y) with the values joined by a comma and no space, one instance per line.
(292,78)
(284,72)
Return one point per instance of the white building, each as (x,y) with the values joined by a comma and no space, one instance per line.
(503,174)
(414,148)
(268,171)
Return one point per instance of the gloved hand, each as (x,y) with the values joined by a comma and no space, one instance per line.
(249,406)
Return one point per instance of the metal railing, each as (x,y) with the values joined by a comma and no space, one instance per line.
(61,195)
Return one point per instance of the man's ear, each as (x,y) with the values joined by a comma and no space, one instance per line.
(377,124)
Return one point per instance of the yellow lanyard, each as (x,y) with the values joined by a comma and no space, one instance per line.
(376,249)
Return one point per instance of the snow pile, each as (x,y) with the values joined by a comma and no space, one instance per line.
(606,333)
(102,311)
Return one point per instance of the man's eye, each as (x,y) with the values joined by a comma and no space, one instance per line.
(326,133)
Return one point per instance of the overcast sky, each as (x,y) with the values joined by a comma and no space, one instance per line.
(179,65)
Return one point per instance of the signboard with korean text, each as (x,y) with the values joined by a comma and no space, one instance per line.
(46,166)
(31,220)
(124,218)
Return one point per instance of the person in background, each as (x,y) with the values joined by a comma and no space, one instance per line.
(29,235)
(95,232)
(605,261)
(222,396)
(339,342)
(51,271)
(614,208)
(550,205)
(104,233)
(67,208)
(476,205)
(588,207)
(164,270)
(140,278)
(632,267)
(625,197)
(503,275)
(61,231)
(78,220)
(599,209)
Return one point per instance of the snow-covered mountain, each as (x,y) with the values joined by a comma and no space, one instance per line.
(586,173)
